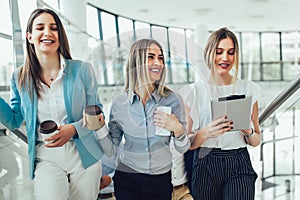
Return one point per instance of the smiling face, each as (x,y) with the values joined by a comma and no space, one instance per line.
(155,62)
(225,56)
(44,35)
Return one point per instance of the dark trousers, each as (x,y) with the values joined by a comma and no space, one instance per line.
(137,186)
(223,175)
(188,161)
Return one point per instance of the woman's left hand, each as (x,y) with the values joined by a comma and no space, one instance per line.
(169,122)
(63,135)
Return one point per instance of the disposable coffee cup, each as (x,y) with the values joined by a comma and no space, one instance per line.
(92,117)
(48,128)
(159,130)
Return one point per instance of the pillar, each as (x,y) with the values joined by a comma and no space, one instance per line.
(75,25)
(201,36)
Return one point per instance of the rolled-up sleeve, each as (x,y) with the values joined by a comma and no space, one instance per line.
(182,144)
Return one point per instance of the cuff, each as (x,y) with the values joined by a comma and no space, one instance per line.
(102,132)
(182,140)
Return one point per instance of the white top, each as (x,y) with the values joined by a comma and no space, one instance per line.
(198,96)
(51,104)
(178,171)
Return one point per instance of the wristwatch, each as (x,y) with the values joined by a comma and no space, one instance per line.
(249,135)
(180,138)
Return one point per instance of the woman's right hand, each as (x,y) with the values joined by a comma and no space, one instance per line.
(84,122)
(218,127)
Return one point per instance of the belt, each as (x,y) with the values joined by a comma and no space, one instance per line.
(106,195)
(179,186)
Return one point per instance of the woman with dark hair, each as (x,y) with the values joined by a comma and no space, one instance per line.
(222,167)
(144,170)
(52,86)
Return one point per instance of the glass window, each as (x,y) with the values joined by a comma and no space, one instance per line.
(160,34)
(270,47)
(268,159)
(297,154)
(98,60)
(251,71)
(6,61)
(290,46)
(109,28)
(250,44)
(177,42)
(178,55)
(285,128)
(284,157)
(291,54)
(191,55)
(25,9)
(251,59)
(126,32)
(5,25)
(108,63)
(92,21)
(291,70)
(268,133)
(271,71)
(142,30)
(197,66)
(114,65)
(297,140)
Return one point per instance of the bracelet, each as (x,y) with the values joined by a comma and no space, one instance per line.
(180,138)
(249,135)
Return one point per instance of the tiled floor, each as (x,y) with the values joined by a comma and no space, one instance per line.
(279,191)
(15,184)
(14,179)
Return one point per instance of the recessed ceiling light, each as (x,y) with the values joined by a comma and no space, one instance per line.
(201,10)
(171,20)
(144,10)
(260,1)
(257,16)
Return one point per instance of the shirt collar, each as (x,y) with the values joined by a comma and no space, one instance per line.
(62,62)
(62,66)
(154,96)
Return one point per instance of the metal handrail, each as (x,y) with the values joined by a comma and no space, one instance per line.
(280,99)
(276,103)
(21,135)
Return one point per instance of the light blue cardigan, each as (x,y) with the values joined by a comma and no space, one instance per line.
(80,90)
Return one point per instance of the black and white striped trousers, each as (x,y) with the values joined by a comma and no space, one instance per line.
(223,175)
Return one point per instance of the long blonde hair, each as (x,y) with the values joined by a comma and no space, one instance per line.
(211,48)
(137,76)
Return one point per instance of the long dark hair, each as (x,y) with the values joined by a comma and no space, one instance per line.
(31,71)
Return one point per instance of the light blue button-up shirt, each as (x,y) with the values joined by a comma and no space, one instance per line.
(143,150)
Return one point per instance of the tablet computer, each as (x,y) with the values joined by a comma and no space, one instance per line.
(236,107)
